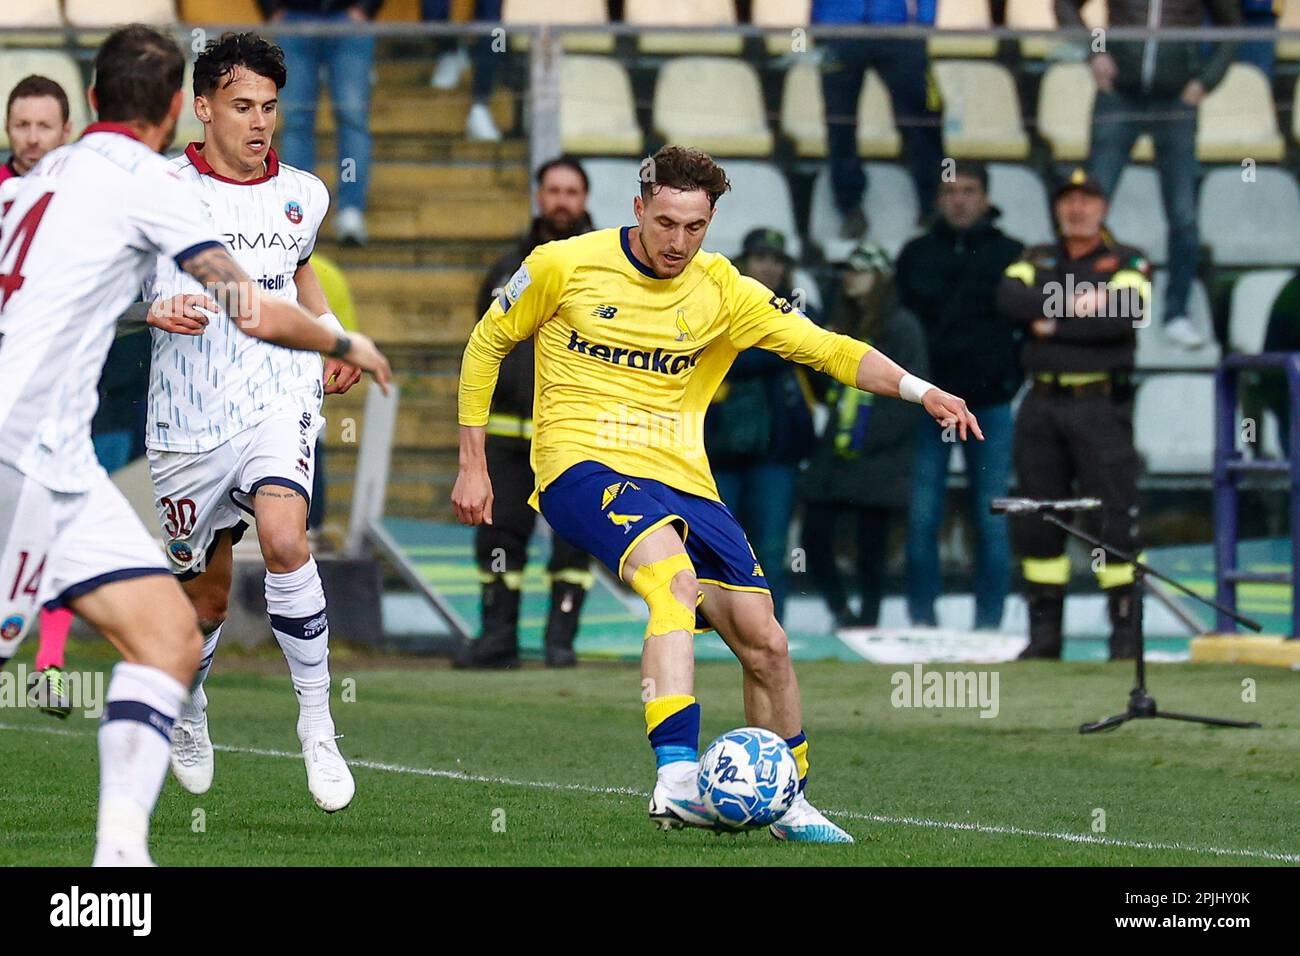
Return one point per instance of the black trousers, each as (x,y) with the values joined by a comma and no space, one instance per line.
(503,545)
(1067,446)
(820,523)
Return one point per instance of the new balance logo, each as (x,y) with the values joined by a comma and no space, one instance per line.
(666,363)
(604,311)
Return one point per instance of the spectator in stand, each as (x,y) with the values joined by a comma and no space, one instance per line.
(1262,53)
(455,60)
(1155,87)
(861,472)
(904,67)
(949,278)
(350,61)
(1269,388)
(759,427)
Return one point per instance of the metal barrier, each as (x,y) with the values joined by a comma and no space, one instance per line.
(1230,465)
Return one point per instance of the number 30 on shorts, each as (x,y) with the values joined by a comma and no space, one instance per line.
(178,516)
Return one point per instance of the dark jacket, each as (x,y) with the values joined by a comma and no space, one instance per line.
(514,391)
(321,7)
(1040,285)
(761,413)
(949,280)
(1162,68)
(879,474)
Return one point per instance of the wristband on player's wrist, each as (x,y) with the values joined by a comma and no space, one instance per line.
(332,320)
(342,346)
(913,389)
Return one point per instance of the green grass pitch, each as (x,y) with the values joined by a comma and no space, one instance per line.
(542,767)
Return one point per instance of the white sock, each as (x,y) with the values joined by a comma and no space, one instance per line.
(198,701)
(134,744)
(295,602)
(678,772)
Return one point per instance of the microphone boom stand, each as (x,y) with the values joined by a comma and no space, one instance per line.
(1141,705)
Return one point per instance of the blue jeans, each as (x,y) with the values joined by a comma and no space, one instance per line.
(761,496)
(988,466)
(1117,121)
(350,61)
(480,52)
(904,68)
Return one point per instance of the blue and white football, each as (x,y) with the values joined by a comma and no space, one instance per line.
(748,778)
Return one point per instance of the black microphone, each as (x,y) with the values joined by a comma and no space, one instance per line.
(1028,506)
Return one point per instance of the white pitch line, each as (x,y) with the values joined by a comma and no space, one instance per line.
(988,829)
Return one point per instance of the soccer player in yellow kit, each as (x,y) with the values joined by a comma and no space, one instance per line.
(635,329)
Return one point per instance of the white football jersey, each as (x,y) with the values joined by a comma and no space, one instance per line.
(204,389)
(80,232)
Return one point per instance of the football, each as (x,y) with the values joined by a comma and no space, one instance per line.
(748,778)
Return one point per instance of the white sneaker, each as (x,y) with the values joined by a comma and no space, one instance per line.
(192,761)
(1183,333)
(350,226)
(328,777)
(676,803)
(449,69)
(479,125)
(804,823)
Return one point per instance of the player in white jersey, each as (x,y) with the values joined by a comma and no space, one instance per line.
(85,227)
(233,421)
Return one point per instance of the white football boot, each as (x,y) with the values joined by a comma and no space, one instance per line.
(191,757)
(328,777)
(676,803)
(804,823)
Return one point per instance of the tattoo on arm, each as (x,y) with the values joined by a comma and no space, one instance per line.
(272,493)
(225,282)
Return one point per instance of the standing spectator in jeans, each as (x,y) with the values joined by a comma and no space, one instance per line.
(350,61)
(479,125)
(861,473)
(949,278)
(760,428)
(904,67)
(1155,87)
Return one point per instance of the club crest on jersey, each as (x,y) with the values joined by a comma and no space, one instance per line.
(293,211)
(180,552)
(12,627)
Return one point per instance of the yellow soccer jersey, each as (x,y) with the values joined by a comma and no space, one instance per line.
(627,362)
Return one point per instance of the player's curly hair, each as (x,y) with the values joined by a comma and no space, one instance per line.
(216,64)
(681,167)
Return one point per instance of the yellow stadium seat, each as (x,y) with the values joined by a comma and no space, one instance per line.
(1065,100)
(730,120)
(981,112)
(1238,120)
(597,112)
(30,13)
(53,64)
(684,13)
(201,12)
(803,115)
(1041,15)
(112,13)
(784,15)
(973,15)
(569,13)
(1289,20)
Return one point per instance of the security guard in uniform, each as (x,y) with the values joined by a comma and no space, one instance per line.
(1079,301)
(501,548)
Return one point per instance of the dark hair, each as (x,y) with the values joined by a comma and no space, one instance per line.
(220,58)
(564,162)
(970,168)
(137,72)
(681,167)
(37,86)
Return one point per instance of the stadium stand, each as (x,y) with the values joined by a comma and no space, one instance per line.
(1137,215)
(111,13)
(1250,223)
(783,14)
(569,13)
(981,111)
(1239,119)
(1253,295)
(730,122)
(1065,110)
(597,112)
(891,205)
(684,13)
(1170,423)
(30,13)
(973,15)
(613,184)
(803,115)
(1020,195)
(1289,20)
(759,198)
(1155,351)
